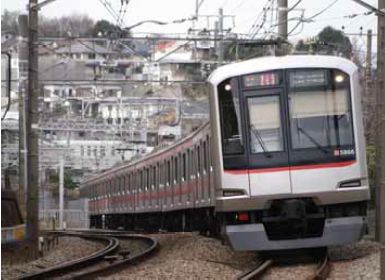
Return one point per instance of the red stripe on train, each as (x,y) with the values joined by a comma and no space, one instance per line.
(292,168)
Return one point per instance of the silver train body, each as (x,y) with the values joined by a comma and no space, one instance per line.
(282,164)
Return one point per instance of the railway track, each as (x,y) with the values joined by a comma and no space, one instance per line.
(118,253)
(257,271)
(322,271)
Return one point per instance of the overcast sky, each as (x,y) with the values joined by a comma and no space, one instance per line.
(245,12)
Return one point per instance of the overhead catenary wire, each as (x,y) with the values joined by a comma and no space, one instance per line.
(294,6)
(264,17)
(323,10)
(253,26)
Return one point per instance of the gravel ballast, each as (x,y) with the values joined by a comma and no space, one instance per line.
(190,256)
(68,249)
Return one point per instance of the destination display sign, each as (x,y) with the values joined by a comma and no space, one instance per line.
(306,78)
(262,79)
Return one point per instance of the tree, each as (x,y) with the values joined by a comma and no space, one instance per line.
(9,22)
(104,27)
(302,46)
(72,25)
(68,182)
(337,40)
(329,41)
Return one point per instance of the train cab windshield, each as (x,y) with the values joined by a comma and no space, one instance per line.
(320,115)
(293,116)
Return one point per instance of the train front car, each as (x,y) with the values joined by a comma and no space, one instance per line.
(290,161)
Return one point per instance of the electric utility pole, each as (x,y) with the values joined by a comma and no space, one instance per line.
(23,66)
(282,25)
(220,31)
(369,93)
(31,119)
(380,135)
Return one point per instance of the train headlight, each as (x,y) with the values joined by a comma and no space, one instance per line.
(339,78)
(227,87)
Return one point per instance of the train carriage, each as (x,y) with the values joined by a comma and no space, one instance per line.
(281,164)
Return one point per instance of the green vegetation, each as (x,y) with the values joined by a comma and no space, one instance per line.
(68,182)
(329,40)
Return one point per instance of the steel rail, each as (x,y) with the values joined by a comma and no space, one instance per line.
(124,260)
(257,271)
(56,270)
(323,270)
(105,264)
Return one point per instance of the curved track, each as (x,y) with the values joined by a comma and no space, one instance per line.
(257,271)
(323,269)
(321,272)
(103,262)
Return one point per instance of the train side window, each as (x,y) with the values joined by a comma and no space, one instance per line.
(119,185)
(168,172)
(192,160)
(198,160)
(154,177)
(129,183)
(176,169)
(148,178)
(205,156)
(123,186)
(184,167)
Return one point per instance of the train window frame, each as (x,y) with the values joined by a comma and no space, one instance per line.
(175,169)
(309,154)
(330,86)
(232,105)
(205,160)
(281,130)
(199,160)
(148,178)
(169,176)
(154,181)
(184,167)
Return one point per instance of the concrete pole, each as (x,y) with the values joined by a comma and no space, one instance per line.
(61,192)
(216,28)
(380,136)
(282,26)
(23,64)
(32,132)
(282,19)
(220,43)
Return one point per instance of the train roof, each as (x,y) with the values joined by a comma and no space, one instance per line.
(267,63)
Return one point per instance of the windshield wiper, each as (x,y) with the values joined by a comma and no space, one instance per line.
(260,140)
(315,142)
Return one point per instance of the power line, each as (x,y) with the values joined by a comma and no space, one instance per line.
(370,7)
(258,17)
(238,6)
(323,10)
(295,5)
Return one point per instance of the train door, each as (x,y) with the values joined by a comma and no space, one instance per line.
(184,181)
(206,172)
(199,174)
(268,164)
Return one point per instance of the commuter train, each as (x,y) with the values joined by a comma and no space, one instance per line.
(281,165)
